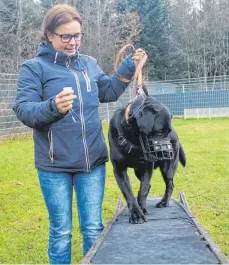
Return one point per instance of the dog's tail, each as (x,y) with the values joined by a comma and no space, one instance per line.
(182,156)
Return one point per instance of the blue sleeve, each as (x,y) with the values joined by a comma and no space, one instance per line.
(111,88)
(28,105)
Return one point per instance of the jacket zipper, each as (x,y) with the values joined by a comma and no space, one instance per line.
(81,116)
(87,81)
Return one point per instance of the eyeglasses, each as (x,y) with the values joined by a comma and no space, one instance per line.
(66,38)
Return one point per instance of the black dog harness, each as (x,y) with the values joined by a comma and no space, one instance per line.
(131,149)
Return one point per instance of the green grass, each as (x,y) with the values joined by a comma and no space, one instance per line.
(23,216)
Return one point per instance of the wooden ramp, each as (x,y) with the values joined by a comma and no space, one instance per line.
(171,236)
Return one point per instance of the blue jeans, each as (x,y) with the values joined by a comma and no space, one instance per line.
(57,189)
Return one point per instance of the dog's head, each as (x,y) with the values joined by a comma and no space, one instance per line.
(152,121)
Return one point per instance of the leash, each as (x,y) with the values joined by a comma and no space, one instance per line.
(138,86)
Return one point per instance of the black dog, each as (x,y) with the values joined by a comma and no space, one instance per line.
(141,137)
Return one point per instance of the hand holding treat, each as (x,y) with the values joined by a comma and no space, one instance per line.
(64,100)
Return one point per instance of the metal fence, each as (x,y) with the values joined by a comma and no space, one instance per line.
(193,98)
(190,85)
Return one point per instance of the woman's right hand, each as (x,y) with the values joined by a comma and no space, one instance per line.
(64,101)
(139,53)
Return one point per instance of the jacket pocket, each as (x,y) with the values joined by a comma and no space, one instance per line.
(67,147)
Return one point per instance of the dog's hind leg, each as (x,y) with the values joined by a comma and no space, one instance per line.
(144,176)
(167,170)
(136,215)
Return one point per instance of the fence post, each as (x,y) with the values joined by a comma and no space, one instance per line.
(209,113)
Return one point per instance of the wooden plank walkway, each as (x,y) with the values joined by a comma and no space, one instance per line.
(171,236)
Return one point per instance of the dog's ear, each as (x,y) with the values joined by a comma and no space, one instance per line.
(170,113)
(169,124)
(153,104)
(169,119)
(156,107)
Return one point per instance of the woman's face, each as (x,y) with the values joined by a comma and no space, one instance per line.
(66,43)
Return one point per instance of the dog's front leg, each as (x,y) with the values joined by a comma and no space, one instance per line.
(167,171)
(135,212)
(144,176)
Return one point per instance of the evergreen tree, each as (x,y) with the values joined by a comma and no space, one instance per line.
(155,35)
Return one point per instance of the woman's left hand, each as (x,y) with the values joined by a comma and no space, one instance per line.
(139,53)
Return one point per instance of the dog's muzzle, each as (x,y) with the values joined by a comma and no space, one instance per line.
(156,150)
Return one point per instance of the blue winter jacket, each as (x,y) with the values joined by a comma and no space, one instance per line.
(73,142)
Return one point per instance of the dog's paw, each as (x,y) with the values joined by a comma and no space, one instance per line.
(137,217)
(162,204)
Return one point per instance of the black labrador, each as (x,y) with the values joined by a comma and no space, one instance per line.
(141,137)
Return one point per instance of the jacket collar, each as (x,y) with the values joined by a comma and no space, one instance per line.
(54,56)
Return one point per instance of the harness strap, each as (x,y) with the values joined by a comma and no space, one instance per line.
(130,148)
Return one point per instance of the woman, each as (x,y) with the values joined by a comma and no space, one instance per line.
(58,96)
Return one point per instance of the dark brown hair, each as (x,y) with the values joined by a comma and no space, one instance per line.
(56,16)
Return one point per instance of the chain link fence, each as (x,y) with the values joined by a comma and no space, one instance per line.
(188,98)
